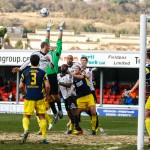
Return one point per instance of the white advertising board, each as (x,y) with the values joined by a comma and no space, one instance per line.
(113,59)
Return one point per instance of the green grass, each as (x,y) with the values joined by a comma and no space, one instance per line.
(10,123)
(112,125)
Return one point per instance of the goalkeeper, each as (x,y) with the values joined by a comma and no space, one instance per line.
(52,72)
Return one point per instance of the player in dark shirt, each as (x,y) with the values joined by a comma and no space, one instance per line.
(34,82)
(85,99)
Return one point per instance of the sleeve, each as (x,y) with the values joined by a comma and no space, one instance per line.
(51,61)
(25,64)
(69,79)
(47,41)
(59,48)
(22,79)
(45,78)
(88,71)
(28,61)
(147,73)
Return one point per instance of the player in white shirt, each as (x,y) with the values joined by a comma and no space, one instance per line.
(71,64)
(67,90)
(45,59)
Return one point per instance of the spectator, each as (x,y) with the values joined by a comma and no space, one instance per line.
(114,89)
(129,98)
(7,86)
(11,97)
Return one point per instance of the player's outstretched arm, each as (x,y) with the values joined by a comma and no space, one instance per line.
(16,69)
(49,26)
(134,87)
(61,24)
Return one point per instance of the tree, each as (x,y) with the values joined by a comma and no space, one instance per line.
(3,31)
(19,45)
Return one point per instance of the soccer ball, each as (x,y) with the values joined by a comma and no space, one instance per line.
(44,12)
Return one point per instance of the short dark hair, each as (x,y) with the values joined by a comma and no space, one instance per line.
(65,65)
(43,44)
(148,52)
(77,66)
(70,56)
(34,59)
(83,57)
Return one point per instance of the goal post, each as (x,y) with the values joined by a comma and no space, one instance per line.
(142,80)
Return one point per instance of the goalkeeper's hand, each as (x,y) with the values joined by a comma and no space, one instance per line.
(61,23)
(50,23)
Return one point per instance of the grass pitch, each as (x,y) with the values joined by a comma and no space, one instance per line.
(120,133)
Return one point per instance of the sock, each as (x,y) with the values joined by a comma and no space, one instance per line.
(59,105)
(75,118)
(76,122)
(70,116)
(93,122)
(71,126)
(79,117)
(25,122)
(52,105)
(97,121)
(43,127)
(48,118)
(147,123)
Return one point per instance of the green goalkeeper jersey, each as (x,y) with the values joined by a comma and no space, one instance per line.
(55,57)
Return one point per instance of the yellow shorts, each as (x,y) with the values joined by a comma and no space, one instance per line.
(147,105)
(85,101)
(47,105)
(30,106)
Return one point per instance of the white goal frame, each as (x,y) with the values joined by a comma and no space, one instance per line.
(142,80)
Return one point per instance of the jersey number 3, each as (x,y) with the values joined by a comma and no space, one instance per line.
(33,78)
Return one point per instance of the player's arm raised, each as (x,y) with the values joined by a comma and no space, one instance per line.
(17,69)
(61,24)
(49,26)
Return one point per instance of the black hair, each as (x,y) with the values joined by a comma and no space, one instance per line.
(65,65)
(78,67)
(34,59)
(83,57)
(70,56)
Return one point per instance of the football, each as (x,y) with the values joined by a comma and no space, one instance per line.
(44,12)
